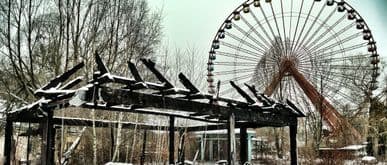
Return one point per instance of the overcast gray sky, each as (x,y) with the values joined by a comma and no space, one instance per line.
(195,22)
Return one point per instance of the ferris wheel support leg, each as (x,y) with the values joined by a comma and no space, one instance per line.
(336,121)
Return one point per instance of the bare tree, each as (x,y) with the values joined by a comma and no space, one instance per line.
(40,39)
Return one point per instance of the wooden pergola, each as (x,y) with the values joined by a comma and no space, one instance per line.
(161,99)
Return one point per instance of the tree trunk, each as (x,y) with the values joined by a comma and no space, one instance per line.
(94,139)
(134,140)
(116,155)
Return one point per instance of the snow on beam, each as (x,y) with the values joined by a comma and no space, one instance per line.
(72,83)
(152,67)
(134,72)
(242,93)
(100,65)
(63,77)
(188,84)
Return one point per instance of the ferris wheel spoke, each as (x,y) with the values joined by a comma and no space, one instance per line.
(303,26)
(333,45)
(266,43)
(233,64)
(311,27)
(237,79)
(278,29)
(296,89)
(240,49)
(244,42)
(342,77)
(230,90)
(234,71)
(346,49)
(270,60)
(290,20)
(305,71)
(298,21)
(329,29)
(344,67)
(349,58)
(288,87)
(334,36)
(336,90)
(271,30)
(261,26)
(304,57)
(283,27)
(338,74)
(320,27)
(227,91)
(237,56)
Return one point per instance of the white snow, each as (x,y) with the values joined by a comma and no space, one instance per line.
(78,99)
(369,159)
(353,147)
(117,163)
(222,131)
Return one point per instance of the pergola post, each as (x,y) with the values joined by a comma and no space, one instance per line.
(181,150)
(202,149)
(293,141)
(171,140)
(243,139)
(142,158)
(8,141)
(231,140)
(48,139)
(249,147)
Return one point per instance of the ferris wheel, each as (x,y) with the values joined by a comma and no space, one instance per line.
(307,51)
